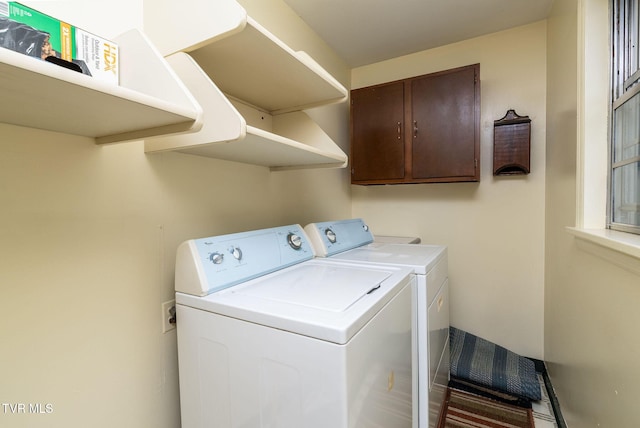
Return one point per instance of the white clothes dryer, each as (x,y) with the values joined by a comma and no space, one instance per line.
(268,336)
(351,240)
(386,239)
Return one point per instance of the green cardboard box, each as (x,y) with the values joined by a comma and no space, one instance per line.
(41,36)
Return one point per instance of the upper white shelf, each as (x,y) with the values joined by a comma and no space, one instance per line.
(243,58)
(41,95)
(256,67)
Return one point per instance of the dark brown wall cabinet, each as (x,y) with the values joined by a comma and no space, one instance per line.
(419,130)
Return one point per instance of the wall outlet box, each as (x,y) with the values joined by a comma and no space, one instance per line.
(168,316)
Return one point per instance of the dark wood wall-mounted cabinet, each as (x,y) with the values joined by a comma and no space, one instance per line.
(417,130)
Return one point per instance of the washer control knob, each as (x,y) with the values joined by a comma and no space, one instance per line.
(365,227)
(331,235)
(294,241)
(216,258)
(236,253)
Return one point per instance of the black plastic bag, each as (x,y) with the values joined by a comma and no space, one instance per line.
(24,39)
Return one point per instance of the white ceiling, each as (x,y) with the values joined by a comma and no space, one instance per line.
(367,31)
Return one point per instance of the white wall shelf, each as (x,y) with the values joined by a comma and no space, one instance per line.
(252,88)
(41,95)
(225,133)
(254,66)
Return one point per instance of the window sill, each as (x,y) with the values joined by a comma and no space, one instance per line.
(619,248)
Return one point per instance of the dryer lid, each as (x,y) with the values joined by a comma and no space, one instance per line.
(420,258)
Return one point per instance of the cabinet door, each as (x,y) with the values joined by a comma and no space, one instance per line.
(377,133)
(445,123)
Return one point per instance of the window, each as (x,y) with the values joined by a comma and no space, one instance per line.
(624,183)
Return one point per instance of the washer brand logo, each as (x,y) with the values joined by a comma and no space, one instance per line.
(27,408)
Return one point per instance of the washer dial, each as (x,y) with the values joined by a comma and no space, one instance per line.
(236,253)
(331,235)
(216,258)
(294,241)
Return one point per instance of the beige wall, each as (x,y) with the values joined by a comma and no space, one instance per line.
(88,237)
(494,229)
(89,233)
(591,293)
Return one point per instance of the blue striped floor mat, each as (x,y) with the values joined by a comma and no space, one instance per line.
(483,363)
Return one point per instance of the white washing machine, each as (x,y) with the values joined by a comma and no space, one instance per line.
(268,336)
(351,240)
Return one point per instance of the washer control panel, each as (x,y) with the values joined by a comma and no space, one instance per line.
(332,237)
(207,265)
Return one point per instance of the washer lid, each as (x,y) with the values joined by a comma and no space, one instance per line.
(420,258)
(323,287)
(324,299)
